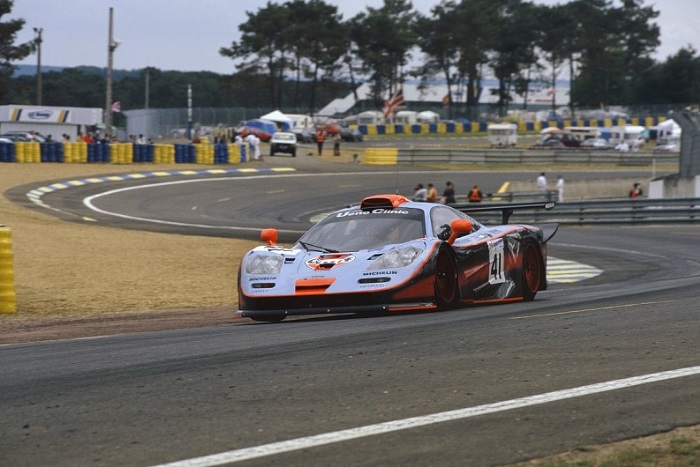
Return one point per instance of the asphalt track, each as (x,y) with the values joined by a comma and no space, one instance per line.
(594,361)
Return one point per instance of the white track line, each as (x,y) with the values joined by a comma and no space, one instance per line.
(405,424)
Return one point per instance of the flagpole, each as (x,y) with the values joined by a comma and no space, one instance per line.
(111,45)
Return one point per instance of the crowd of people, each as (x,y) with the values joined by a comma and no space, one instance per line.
(430,194)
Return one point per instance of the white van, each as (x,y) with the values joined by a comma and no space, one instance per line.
(502,134)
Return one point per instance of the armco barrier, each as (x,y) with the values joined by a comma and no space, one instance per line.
(389,156)
(8,298)
(122,153)
(616,211)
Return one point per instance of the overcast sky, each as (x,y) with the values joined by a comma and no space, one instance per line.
(186,35)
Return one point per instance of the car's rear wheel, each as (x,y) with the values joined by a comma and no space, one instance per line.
(445,279)
(532,270)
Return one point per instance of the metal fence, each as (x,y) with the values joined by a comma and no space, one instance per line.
(616,211)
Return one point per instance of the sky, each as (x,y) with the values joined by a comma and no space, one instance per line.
(186,35)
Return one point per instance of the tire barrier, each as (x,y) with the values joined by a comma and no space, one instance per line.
(8,298)
(123,153)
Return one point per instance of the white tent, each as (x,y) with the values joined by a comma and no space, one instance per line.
(428,116)
(279,118)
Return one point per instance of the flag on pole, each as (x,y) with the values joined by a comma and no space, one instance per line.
(117,107)
(393,101)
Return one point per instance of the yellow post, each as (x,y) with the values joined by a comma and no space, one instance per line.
(8,299)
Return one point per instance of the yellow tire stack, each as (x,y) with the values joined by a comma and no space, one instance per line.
(8,299)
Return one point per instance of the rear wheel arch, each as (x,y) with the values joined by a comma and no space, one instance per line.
(532,269)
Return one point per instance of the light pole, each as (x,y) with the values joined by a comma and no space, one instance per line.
(37,44)
(111,46)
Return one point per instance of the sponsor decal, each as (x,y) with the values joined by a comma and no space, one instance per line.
(255,279)
(379,273)
(373,211)
(329,261)
(40,114)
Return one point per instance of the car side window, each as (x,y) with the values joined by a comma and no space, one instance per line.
(441,216)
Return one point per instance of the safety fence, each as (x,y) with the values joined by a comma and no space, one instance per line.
(392,156)
(616,211)
(124,153)
(482,127)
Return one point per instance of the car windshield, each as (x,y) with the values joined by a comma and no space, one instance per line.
(360,230)
(284,137)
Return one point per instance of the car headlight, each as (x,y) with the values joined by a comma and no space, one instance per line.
(264,263)
(397,258)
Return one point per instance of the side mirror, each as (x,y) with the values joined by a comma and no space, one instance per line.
(269,236)
(459,227)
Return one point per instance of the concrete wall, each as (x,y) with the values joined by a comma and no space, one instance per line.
(673,186)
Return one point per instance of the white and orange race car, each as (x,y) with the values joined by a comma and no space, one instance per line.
(390,254)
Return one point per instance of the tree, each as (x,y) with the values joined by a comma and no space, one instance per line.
(262,46)
(436,40)
(513,47)
(317,41)
(473,38)
(384,36)
(8,51)
(556,27)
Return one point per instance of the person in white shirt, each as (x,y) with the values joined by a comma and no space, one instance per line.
(542,182)
(421,193)
(560,189)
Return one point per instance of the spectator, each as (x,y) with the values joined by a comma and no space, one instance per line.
(320,136)
(560,189)
(623,147)
(336,144)
(448,196)
(636,191)
(542,182)
(475,196)
(421,193)
(432,193)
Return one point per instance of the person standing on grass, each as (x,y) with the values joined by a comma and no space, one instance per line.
(560,189)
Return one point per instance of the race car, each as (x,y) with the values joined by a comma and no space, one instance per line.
(390,254)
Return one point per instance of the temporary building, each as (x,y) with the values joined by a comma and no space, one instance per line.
(283,121)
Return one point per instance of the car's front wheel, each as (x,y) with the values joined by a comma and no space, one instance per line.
(446,293)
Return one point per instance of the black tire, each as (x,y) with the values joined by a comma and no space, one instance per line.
(446,288)
(269,318)
(531,269)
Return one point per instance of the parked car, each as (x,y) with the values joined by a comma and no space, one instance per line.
(352,135)
(21,136)
(305,135)
(595,143)
(244,131)
(283,142)
(548,143)
(569,140)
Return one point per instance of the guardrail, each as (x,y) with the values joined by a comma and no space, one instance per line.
(615,211)
(528,156)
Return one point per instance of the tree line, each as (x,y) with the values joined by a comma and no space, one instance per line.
(302,53)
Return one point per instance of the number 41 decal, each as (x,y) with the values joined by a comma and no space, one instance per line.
(496,262)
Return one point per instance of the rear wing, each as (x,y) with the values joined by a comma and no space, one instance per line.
(506,209)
